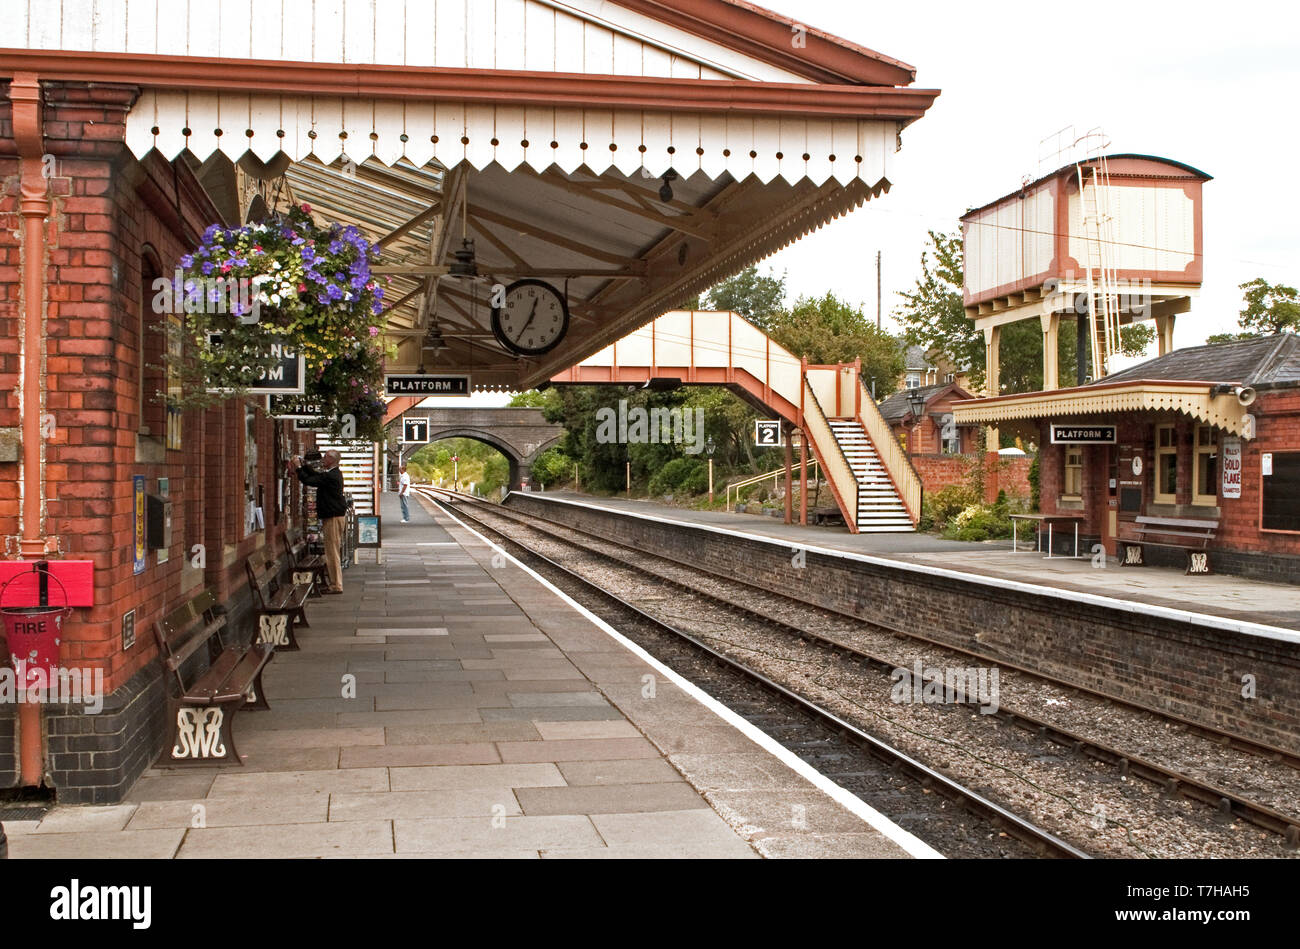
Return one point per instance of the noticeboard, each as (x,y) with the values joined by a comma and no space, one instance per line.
(368,530)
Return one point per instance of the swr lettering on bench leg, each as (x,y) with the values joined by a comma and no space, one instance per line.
(198,733)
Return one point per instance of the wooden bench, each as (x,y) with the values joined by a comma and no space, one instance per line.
(202,712)
(279,606)
(1200,531)
(305,567)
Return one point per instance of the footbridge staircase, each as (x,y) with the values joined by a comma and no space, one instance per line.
(873,482)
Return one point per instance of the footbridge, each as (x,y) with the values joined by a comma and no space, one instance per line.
(874,483)
(521,434)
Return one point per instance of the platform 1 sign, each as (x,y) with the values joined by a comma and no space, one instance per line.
(426,385)
(1083,434)
(767,433)
(415,431)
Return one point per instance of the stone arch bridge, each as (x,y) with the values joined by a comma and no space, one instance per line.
(521,434)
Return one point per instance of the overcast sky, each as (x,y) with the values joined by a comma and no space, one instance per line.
(1212,85)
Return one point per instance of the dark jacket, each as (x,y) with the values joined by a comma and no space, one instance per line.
(330,499)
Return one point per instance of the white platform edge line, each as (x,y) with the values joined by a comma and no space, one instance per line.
(914,846)
(1095,599)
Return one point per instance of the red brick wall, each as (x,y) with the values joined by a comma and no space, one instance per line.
(108,210)
(939,471)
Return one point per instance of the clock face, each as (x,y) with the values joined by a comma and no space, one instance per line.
(532,318)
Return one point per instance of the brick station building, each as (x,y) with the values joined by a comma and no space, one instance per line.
(1207,433)
(111,225)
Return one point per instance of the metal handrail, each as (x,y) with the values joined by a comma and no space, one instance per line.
(901,471)
(836,466)
(774,475)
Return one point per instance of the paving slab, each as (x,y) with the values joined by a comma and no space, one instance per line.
(485,834)
(289,841)
(444,707)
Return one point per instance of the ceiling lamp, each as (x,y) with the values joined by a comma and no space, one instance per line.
(465,265)
(433,341)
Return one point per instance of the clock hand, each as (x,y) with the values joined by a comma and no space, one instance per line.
(531,314)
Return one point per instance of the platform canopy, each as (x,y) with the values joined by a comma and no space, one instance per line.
(545,131)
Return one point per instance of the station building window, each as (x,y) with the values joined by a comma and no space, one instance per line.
(913,380)
(1166,464)
(1207,465)
(1072,481)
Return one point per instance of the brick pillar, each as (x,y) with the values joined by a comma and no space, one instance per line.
(991,460)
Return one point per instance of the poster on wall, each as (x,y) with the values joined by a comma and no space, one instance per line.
(164,492)
(138,502)
(1232,467)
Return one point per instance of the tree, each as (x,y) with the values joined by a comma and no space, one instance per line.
(934,317)
(532,399)
(828,330)
(1270,309)
(757,298)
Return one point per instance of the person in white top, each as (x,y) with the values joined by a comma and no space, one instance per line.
(404,492)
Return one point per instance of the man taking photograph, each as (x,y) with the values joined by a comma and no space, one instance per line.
(332,506)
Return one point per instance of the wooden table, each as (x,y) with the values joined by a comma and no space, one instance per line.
(1040,519)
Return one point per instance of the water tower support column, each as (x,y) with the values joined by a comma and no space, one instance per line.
(1051,324)
(992,373)
(1165,334)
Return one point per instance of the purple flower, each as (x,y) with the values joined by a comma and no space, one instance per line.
(335,246)
(187,261)
(206,268)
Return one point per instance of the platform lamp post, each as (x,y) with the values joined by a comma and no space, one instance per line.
(710,446)
(916,402)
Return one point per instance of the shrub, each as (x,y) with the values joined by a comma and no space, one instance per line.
(674,475)
(1032,478)
(943,505)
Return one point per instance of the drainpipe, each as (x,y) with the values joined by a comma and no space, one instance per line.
(34,209)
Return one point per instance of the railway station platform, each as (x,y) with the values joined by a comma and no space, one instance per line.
(450,704)
(1218,595)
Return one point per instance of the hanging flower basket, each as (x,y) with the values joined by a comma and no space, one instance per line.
(252,295)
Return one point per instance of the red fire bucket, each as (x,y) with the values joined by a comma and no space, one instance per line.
(34,633)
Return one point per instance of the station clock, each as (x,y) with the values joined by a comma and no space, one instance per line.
(532,318)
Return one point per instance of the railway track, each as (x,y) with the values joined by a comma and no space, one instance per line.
(1226,802)
(966,800)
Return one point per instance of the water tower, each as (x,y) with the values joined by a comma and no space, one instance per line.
(1102,241)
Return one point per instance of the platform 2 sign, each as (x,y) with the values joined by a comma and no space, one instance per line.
(415,431)
(1083,434)
(426,385)
(767,433)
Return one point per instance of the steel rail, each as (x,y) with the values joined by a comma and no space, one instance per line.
(1001,818)
(1228,803)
